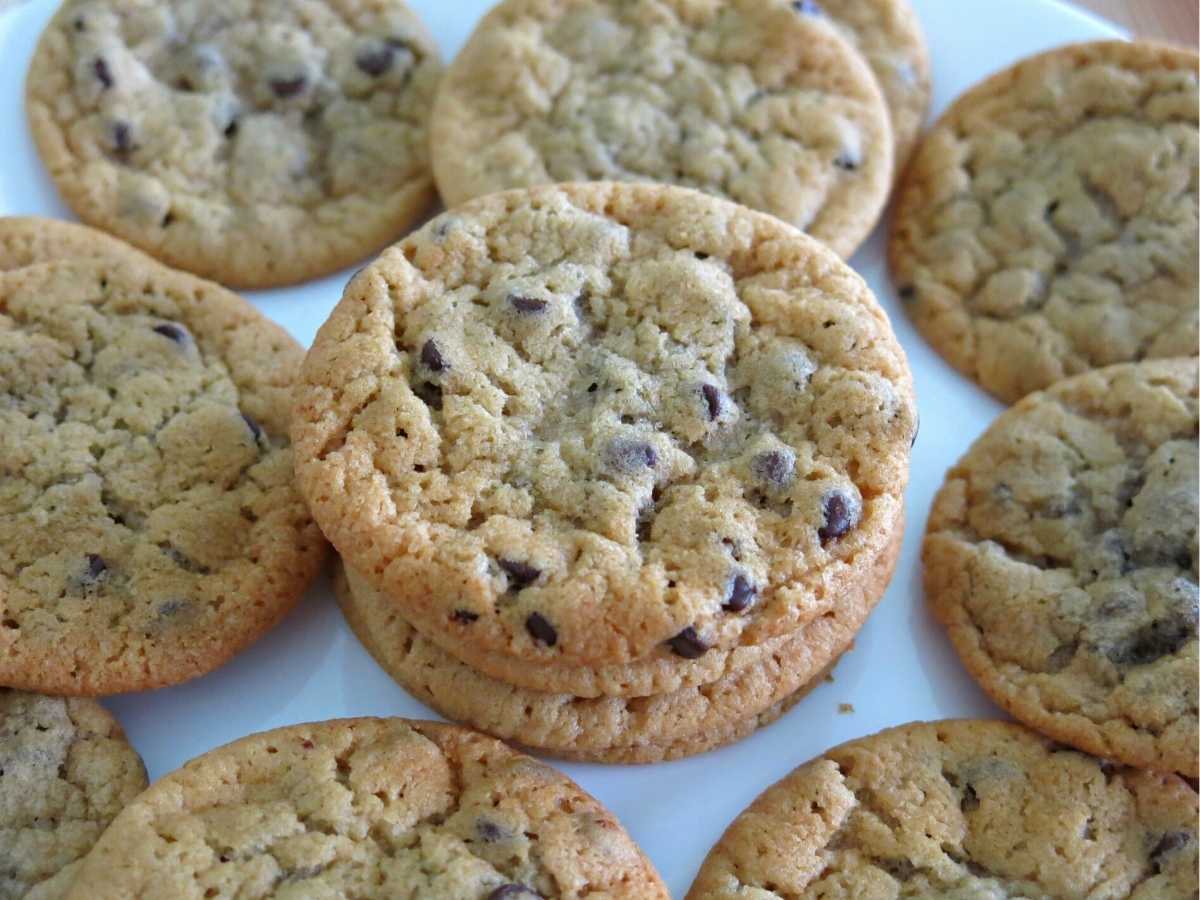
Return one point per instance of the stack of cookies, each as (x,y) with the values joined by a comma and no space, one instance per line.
(617,471)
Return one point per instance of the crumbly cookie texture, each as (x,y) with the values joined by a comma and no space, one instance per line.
(149,523)
(1048,223)
(28,240)
(66,770)
(368,808)
(584,421)
(752,100)
(612,729)
(888,35)
(959,809)
(1061,557)
(256,142)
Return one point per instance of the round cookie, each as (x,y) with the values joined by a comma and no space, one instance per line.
(888,35)
(149,523)
(1061,557)
(1048,223)
(28,240)
(366,808)
(66,770)
(959,809)
(255,142)
(751,100)
(611,729)
(579,422)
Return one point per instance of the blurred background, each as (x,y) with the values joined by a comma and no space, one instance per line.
(1166,20)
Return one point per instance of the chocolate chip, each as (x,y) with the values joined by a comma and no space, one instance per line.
(1160,638)
(907,293)
(122,138)
(970,800)
(432,357)
(79,24)
(96,568)
(688,644)
(489,832)
(171,331)
(513,892)
(712,399)
(520,575)
(255,429)
(527,305)
(288,87)
(430,394)
(231,129)
(631,456)
(464,616)
(169,609)
(1168,844)
(741,595)
(1062,656)
(1052,208)
(376,61)
(847,162)
(840,517)
(774,466)
(807,8)
(103,73)
(541,630)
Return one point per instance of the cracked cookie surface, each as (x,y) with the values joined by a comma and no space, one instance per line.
(959,809)
(367,808)
(149,525)
(662,726)
(1061,557)
(1048,223)
(66,770)
(752,100)
(257,142)
(583,422)
(28,240)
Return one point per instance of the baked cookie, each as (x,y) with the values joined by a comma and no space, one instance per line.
(888,35)
(366,808)
(580,422)
(752,100)
(149,526)
(27,240)
(256,142)
(66,770)
(1061,557)
(611,729)
(1048,223)
(959,809)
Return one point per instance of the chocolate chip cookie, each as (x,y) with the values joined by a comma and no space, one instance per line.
(149,525)
(959,809)
(26,240)
(366,808)
(888,35)
(666,725)
(66,770)
(1048,223)
(256,142)
(582,422)
(1061,557)
(752,100)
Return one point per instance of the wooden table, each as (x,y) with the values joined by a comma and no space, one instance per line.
(1163,20)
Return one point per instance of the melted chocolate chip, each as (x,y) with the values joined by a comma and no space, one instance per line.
(103,73)
(430,394)
(96,568)
(489,832)
(520,575)
(742,594)
(172,332)
(1160,638)
(774,467)
(431,357)
(840,517)
(527,305)
(1168,844)
(464,616)
(255,428)
(513,892)
(631,456)
(376,61)
(541,630)
(688,644)
(288,87)
(807,8)
(712,400)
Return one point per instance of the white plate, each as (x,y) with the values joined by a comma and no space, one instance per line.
(902,668)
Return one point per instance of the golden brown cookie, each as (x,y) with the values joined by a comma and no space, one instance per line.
(27,240)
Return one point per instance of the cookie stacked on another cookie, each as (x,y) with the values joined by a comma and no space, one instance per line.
(616,469)
(149,526)
(764,102)
(256,142)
